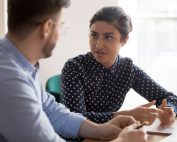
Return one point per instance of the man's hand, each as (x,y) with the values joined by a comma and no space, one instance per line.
(120,129)
(122,121)
(131,134)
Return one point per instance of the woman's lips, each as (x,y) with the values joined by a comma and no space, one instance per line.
(100,54)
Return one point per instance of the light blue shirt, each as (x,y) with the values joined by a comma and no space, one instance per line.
(27,112)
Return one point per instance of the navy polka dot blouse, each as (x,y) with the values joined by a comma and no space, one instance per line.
(95,91)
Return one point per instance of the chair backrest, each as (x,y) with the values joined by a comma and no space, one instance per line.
(53,86)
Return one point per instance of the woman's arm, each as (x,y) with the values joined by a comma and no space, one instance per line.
(151,90)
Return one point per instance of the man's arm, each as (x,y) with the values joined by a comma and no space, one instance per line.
(65,123)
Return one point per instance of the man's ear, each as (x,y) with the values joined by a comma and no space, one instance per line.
(46,28)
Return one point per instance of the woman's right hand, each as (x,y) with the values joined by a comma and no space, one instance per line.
(145,113)
(142,113)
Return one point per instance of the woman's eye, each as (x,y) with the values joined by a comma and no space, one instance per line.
(93,35)
(108,37)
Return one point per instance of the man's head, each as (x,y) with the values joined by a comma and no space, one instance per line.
(39,19)
(25,15)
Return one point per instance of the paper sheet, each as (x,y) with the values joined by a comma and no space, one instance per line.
(155,128)
(171,138)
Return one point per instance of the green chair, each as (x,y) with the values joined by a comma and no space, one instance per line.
(53,86)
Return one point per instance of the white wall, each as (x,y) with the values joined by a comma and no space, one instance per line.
(2,18)
(75,40)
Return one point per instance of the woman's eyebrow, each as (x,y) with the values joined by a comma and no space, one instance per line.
(109,33)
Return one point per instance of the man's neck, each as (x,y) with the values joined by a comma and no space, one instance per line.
(27,47)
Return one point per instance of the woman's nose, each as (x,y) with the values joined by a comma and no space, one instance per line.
(99,43)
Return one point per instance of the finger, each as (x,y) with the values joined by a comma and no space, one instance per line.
(153,110)
(169,110)
(152,118)
(167,123)
(168,114)
(167,118)
(149,104)
(150,114)
(134,125)
(163,104)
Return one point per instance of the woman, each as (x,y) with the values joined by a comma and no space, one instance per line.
(95,84)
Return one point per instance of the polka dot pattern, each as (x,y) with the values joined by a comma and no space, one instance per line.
(96,91)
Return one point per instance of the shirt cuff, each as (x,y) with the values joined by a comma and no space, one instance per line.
(173,106)
(73,125)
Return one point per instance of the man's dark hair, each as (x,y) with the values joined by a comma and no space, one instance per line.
(24,14)
(116,16)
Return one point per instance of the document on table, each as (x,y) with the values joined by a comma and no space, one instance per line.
(156,129)
(171,138)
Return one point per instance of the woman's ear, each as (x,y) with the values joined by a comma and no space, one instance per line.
(46,28)
(124,41)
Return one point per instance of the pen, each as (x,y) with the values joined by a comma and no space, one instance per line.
(158,133)
(142,124)
(152,132)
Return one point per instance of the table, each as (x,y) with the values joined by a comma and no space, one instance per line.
(155,138)
(151,138)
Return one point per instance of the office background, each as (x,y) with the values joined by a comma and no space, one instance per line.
(152,44)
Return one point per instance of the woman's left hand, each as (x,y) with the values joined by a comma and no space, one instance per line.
(167,115)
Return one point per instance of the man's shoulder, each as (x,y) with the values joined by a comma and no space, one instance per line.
(8,66)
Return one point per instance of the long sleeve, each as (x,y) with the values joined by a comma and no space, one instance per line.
(148,88)
(73,94)
(65,123)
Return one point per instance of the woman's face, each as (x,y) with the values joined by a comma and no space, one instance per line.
(105,43)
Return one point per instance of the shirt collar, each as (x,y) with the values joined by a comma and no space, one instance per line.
(20,58)
(113,68)
(100,68)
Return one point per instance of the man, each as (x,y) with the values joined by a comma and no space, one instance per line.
(28,113)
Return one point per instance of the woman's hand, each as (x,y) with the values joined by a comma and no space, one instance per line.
(145,113)
(167,114)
